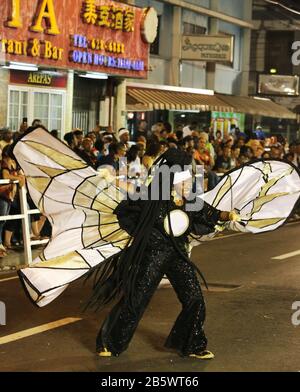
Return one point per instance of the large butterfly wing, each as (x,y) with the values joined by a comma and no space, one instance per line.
(264,194)
(79,204)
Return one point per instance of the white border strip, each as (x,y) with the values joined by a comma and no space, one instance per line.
(7,279)
(36,330)
(287,255)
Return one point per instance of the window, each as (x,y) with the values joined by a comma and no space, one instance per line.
(56,105)
(192,29)
(48,108)
(18,108)
(41,107)
(46,105)
(279,52)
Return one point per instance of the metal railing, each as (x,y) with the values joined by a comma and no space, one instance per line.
(25,218)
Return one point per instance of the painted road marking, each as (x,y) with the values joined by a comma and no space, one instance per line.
(221,237)
(36,330)
(287,255)
(7,279)
(237,234)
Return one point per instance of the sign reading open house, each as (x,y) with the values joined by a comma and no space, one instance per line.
(89,35)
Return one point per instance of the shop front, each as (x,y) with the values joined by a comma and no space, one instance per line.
(178,105)
(209,110)
(225,121)
(274,118)
(39,95)
(66,64)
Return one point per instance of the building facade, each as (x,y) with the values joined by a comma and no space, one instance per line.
(214,20)
(66,65)
(276,31)
(211,26)
(198,61)
(211,17)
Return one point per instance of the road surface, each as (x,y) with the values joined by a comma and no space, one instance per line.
(254,280)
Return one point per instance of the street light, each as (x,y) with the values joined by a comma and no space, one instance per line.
(21,66)
(93,75)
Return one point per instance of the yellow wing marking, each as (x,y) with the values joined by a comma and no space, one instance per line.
(263,223)
(63,160)
(222,191)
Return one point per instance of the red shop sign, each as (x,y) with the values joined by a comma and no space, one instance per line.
(38,79)
(88,35)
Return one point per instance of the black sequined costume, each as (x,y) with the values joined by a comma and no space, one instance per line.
(162,258)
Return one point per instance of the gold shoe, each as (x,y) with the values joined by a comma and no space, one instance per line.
(203,355)
(105,353)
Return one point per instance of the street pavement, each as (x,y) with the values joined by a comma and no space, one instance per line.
(249,316)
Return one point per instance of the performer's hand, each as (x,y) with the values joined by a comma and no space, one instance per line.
(229,216)
(225,216)
(234,216)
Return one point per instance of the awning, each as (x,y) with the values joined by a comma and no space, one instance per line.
(132,105)
(258,107)
(139,98)
(156,99)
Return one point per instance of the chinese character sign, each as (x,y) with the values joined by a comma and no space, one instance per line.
(89,35)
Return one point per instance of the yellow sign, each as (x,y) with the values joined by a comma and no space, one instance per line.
(110,16)
(45,11)
(78,34)
(11,46)
(207,48)
(32,47)
(38,78)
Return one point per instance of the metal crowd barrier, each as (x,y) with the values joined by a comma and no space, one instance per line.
(25,218)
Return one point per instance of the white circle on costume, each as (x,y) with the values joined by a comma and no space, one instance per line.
(179,223)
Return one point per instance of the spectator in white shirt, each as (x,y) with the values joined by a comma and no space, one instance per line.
(189,129)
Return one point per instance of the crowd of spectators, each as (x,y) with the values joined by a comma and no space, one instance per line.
(216,152)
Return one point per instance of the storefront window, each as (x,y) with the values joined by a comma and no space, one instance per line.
(18,108)
(48,106)
(56,111)
(41,107)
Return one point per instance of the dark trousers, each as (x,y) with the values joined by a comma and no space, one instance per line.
(4,210)
(187,335)
(14,225)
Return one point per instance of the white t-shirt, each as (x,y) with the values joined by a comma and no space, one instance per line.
(187,131)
